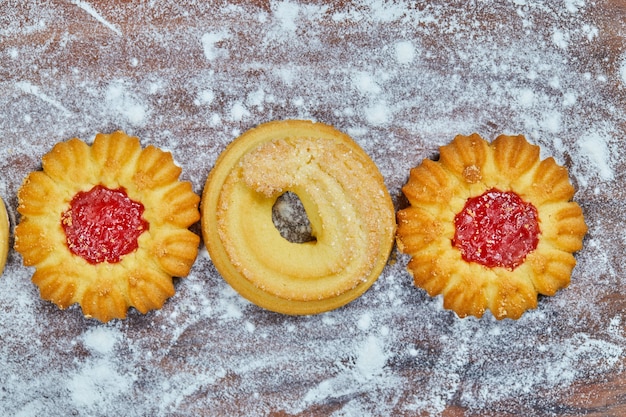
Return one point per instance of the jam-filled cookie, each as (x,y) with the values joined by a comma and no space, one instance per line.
(106,225)
(4,235)
(490,226)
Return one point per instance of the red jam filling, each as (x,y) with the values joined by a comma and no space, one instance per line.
(496,228)
(103,224)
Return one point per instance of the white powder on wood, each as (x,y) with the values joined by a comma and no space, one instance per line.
(190,76)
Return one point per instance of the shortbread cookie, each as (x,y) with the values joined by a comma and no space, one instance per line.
(106,226)
(350,211)
(490,226)
(4,235)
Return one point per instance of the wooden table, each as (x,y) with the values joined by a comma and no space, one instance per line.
(402,79)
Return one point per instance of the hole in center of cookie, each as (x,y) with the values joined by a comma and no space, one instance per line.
(291,220)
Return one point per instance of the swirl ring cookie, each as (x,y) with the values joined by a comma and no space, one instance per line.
(106,226)
(343,193)
(490,226)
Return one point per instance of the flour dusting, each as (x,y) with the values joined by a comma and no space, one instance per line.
(622,70)
(595,147)
(128,107)
(92,11)
(101,340)
(402,79)
(405,52)
(210,46)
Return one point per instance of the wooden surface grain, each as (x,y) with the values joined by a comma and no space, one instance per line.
(190,76)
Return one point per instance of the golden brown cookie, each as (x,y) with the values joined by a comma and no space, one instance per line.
(106,225)
(490,226)
(4,235)
(351,214)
